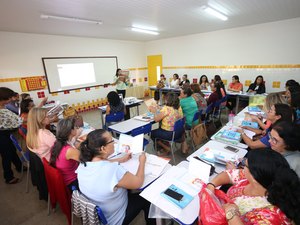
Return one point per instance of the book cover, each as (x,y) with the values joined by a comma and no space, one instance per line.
(219,137)
(177,196)
(254,109)
(246,123)
(233,135)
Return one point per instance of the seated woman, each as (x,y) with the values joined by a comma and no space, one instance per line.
(160,84)
(39,140)
(271,99)
(216,93)
(25,107)
(218,80)
(294,101)
(258,87)
(278,112)
(235,85)
(106,183)
(265,191)
(114,103)
(204,83)
(64,155)
(285,139)
(167,116)
(175,81)
(199,97)
(184,80)
(188,105)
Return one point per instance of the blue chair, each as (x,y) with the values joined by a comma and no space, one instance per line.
(176,136)
(143,130)
(208,112)
(113,117)
(24,159)
(79,207)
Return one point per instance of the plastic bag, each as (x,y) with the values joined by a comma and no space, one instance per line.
(211,210)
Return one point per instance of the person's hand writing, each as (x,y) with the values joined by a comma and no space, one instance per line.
(142,158)
(125,158)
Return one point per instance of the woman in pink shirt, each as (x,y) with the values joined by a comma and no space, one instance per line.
(39,140)
(64,155)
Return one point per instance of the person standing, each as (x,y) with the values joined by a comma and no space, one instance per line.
(9,122)
(120,82)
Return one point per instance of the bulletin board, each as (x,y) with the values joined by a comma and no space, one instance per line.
(33,83)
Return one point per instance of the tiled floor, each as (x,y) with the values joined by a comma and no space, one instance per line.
(20,208)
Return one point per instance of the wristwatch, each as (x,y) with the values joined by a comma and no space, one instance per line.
(231,213)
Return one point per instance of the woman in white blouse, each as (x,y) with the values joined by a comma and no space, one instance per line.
(175,81)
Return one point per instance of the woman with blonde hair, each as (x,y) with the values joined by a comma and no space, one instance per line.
(39,140)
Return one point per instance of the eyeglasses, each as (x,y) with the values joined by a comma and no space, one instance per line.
(274,140)
(112,141)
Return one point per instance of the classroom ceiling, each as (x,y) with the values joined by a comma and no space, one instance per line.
(172,18)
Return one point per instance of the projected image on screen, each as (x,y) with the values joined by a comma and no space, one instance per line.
(76,74)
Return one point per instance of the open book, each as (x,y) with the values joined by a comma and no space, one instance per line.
(129,144)
(56,110)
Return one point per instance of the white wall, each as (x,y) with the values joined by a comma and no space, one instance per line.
(263,44)
(20,56)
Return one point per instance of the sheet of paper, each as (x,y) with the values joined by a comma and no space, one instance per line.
(199,169)
(153,167)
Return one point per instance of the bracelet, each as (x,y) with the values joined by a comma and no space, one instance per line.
(211,184)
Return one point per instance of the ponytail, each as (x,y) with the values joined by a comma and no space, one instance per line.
(90,147)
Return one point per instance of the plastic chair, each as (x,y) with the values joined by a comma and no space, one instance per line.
(113,117)
(142,130)
(24,159)
(57,190)
(208,112)
(176,136)
(83,207)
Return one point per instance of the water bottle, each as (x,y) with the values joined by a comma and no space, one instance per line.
(231,118)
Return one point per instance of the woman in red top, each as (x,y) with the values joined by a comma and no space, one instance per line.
(235,85)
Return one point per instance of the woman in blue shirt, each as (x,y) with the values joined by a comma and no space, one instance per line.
(278,112)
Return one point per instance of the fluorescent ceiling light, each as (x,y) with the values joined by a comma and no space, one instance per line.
(144,31)
(215,13)
(71,19)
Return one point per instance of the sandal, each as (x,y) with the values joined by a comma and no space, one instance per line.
(13,181)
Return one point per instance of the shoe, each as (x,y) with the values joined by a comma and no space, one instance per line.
(13,181)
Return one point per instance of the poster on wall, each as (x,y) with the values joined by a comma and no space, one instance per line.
(33,83)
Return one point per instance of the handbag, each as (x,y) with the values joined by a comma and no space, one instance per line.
(160,85)
(70,112)
(211,210)
(198,133)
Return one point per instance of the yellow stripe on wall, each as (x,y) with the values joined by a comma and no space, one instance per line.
(236,66)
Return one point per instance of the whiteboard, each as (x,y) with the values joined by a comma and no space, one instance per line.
(69,73)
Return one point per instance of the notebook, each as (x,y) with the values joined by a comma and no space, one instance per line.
(232,135)
(246,123)
(177,196)
(254,109)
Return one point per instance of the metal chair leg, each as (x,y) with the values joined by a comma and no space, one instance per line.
(27,177)
(173,156)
